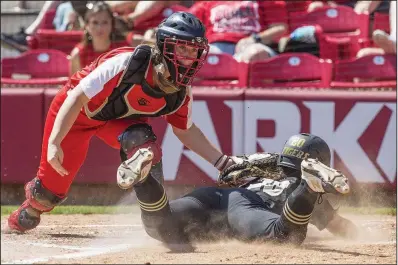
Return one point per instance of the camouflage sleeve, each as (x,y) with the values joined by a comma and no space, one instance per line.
(238,174)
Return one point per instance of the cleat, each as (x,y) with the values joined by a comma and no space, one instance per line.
(323,179)
(135,169)
(21,220)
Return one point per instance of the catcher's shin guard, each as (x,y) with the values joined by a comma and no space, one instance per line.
(38,200)
(138,152)
(323,179)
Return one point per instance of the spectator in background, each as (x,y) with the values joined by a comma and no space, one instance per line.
(313,5)
(134,13)
(18,40)
(246,29)
(358,6)
(371,6)
(134,18)
(66,18)
(100,36)
(387,44)
(309,6)
(302,39)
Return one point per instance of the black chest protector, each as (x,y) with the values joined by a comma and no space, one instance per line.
(116,106)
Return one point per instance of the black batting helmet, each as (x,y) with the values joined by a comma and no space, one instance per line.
(302,146)
(182,31)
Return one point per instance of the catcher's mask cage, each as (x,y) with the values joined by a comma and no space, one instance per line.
(181,40)
(301,146)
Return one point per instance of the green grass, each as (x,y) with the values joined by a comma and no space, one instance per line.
(79,209)
(83,209)
(370,210)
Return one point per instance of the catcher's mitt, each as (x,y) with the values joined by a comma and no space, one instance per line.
(265,166)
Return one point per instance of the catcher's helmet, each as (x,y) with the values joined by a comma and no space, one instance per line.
(182,31)
(302,146)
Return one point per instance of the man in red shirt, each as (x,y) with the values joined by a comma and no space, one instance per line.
(232,26)
(112,98)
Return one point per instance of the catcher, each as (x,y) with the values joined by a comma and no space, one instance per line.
(112,98)
(273,197)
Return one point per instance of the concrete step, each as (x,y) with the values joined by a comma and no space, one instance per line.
(12,22)
(29,5)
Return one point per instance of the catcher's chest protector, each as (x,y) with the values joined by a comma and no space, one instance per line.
(134,97)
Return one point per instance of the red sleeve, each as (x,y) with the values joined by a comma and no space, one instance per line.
(273,12)
(182,117)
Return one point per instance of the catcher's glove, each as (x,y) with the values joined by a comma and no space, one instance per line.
(252,167)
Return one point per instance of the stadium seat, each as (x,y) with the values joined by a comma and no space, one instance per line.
(381,21)
(51,39)
(48,19)
(340,19)
(291,70)
(35,67)
(373,70)
(338,46)
(342,29)
(222,70)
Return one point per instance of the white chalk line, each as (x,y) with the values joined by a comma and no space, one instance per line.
(47,245)
(83,251)
(59,246)
(80,254)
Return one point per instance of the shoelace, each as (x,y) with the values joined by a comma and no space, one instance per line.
(320,199)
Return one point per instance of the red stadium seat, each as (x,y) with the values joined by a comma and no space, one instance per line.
(291,70)
(47,22)
(381,21)
(222,70)
(338,46)
(342,29)
(51,39)
(380,70)
(35,67)
(333,20)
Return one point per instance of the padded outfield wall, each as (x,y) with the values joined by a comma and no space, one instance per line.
(359,126)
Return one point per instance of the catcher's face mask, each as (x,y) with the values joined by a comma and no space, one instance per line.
(185,58)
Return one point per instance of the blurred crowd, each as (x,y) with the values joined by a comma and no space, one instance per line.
(248,30)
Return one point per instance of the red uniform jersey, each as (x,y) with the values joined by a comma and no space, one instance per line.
(231,21)
(109,73)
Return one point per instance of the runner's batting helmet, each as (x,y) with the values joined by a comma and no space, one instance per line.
(302,146)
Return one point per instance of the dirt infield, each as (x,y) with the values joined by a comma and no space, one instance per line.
(120,239)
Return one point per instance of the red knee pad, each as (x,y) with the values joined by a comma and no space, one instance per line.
(139,136)
(41,198)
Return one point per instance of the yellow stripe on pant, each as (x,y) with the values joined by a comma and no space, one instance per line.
(156,206)
(294,217)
